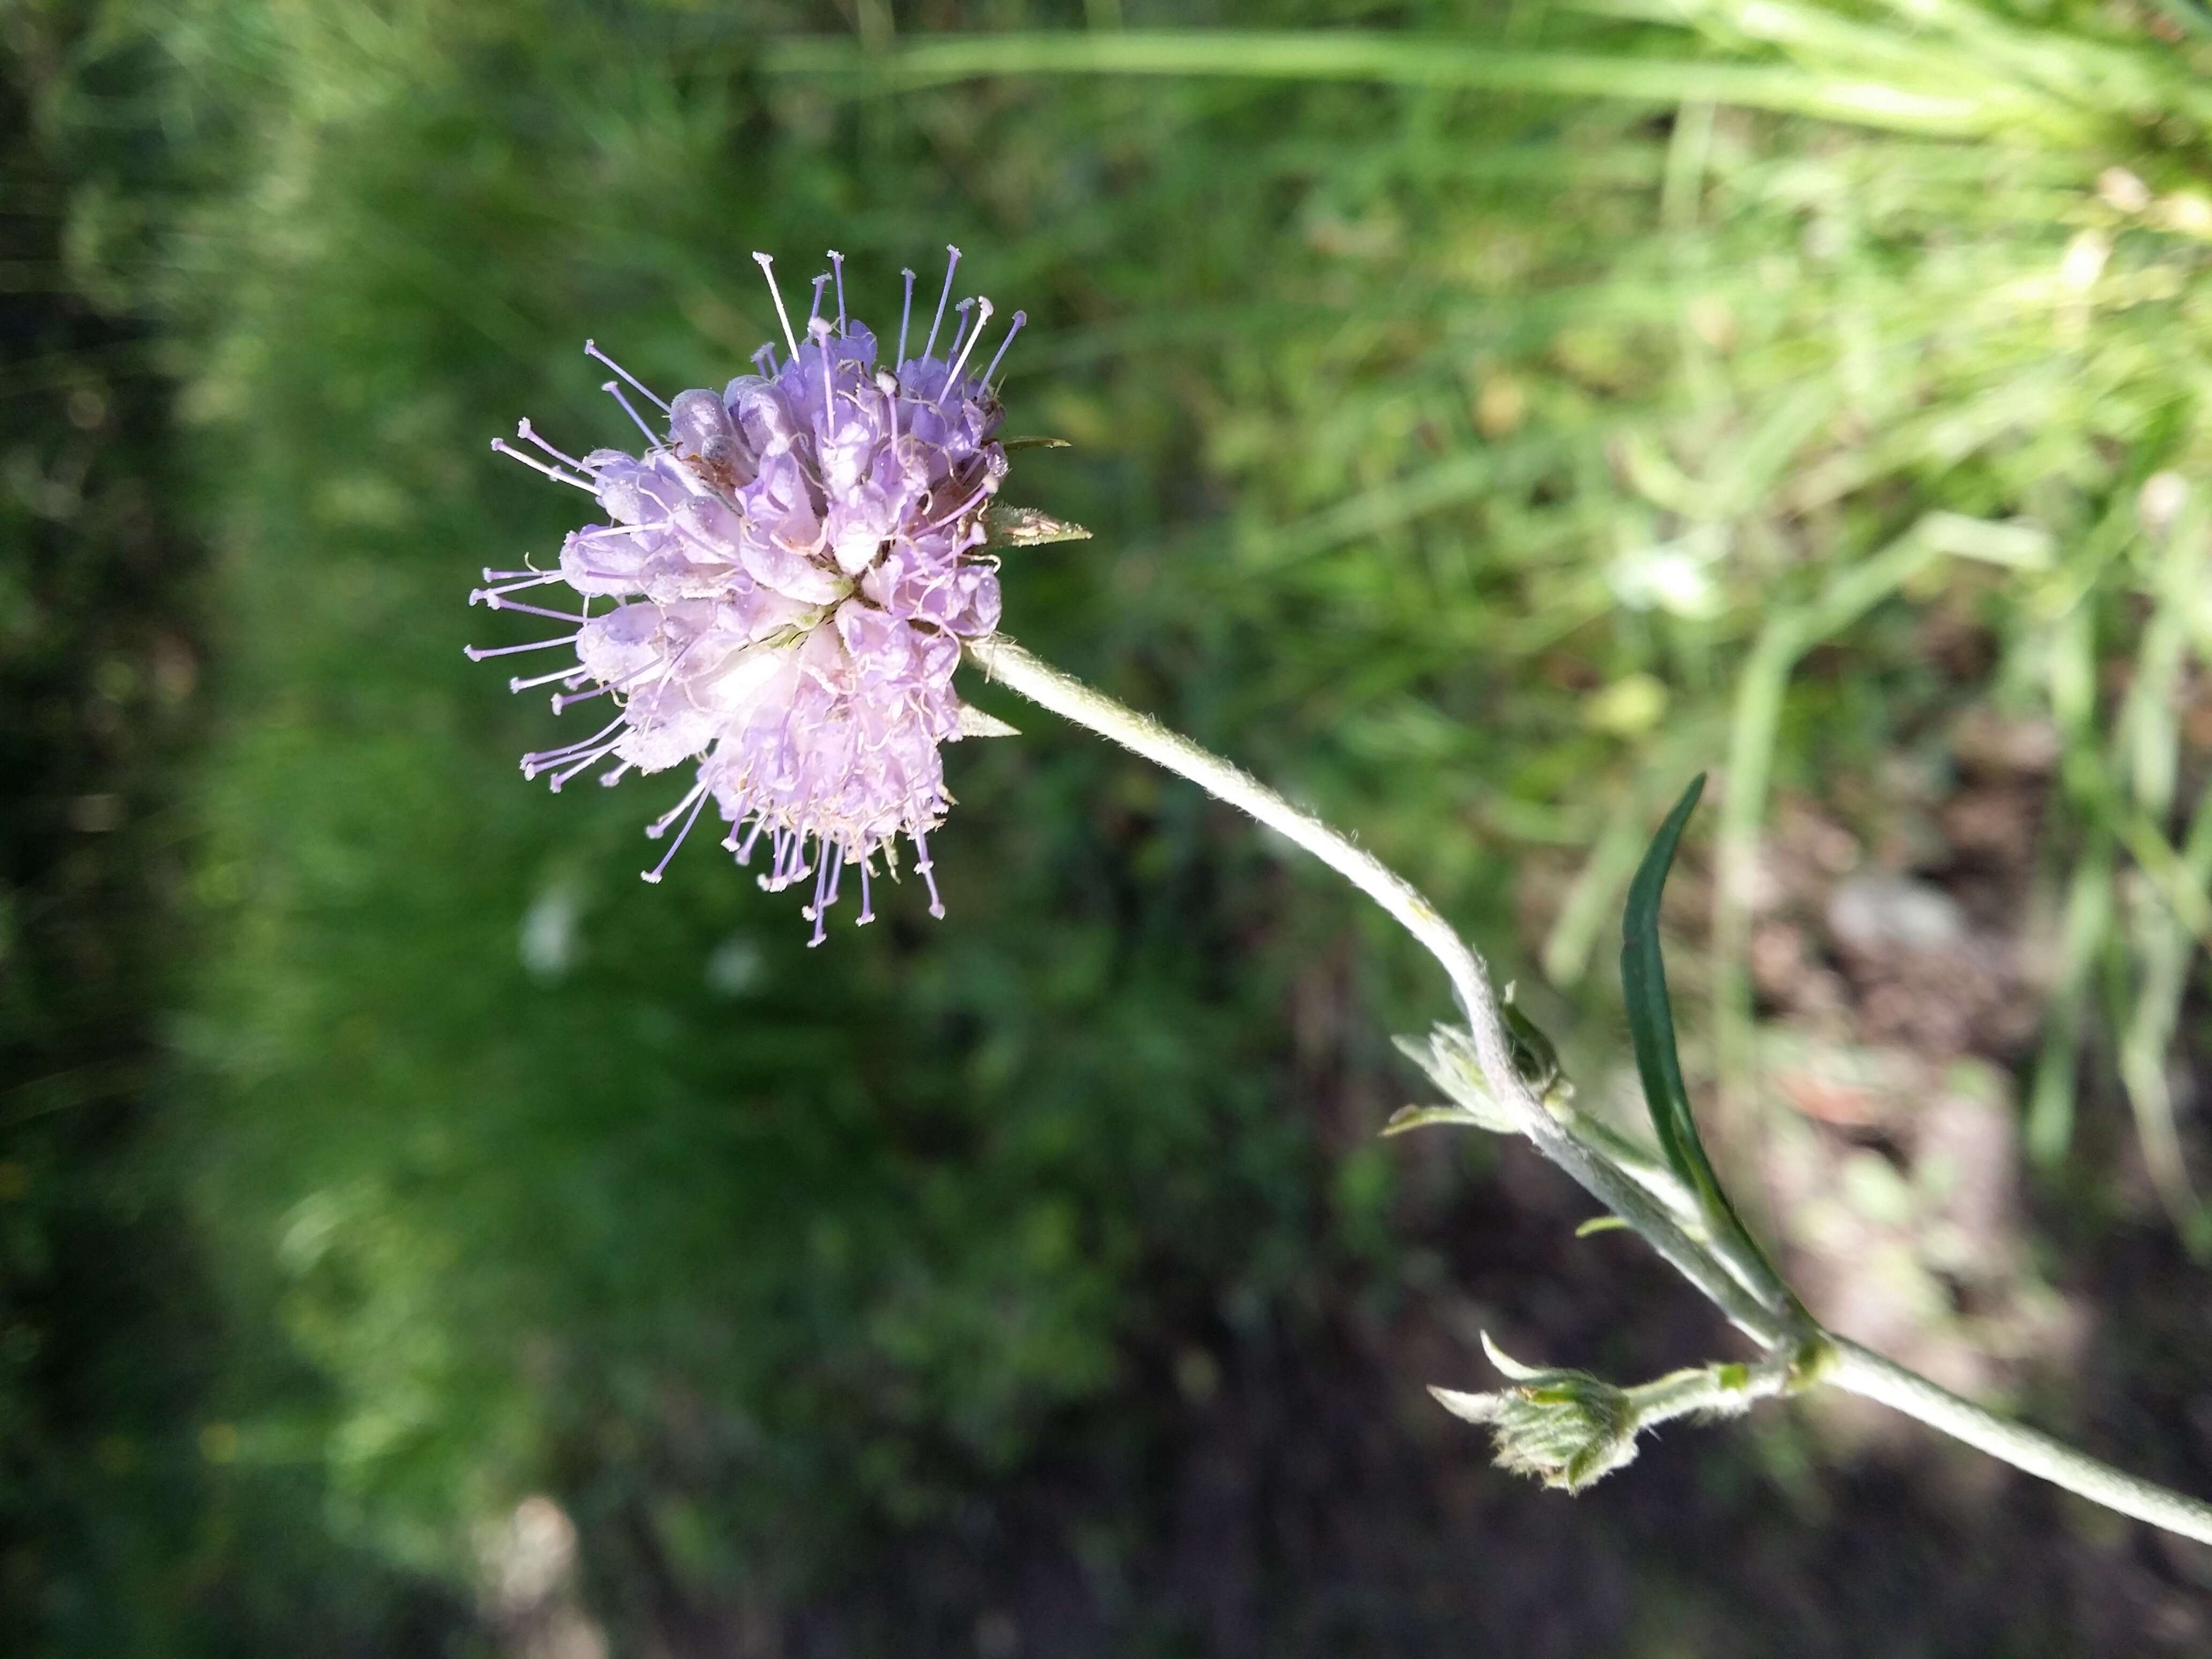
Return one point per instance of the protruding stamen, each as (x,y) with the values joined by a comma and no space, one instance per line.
(567,751)
(837,265)
(609,779)
(613,389)
(768,368)
(478,653)
(659,827)
(923,864)
(587,753)
(746,852)
(565,700)
(536,579)
(528,434)
(653,874)
(532,764)
(495,601)
(960,332)
(991,374)
(537,465)
(906,313)
(817,911)
(982,316)
(519,684)
(951,265)
(815,310)
(791,858)
(767,269)
(867,904)
(592,350)
(583,765)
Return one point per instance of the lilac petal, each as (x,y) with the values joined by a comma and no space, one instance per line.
(793,577)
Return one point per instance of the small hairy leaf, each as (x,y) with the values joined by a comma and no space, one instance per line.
(1513,1369)
(1474,1407)
(1024,526)
(975,723)
(1420,1117)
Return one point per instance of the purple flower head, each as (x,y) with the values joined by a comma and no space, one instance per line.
(791,569)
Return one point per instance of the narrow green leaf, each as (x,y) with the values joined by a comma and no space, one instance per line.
(1650,1016)
(1600,1224)
(1651,1030)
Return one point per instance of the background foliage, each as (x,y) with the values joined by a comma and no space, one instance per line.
(1488,417)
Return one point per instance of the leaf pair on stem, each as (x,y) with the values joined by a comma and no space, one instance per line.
(1569,1429)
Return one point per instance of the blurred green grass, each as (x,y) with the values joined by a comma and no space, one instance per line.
(1472,452)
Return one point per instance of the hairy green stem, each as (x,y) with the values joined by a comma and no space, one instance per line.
(1708,1390)
(1069,697)
(1640,1199)
(1863,1372)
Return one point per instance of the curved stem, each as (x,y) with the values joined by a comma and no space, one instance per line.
(1844,1363)
(1069,697)
(1064,695)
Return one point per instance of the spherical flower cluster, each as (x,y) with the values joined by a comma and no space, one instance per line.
(792,569)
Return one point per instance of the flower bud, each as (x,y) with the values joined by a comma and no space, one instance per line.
(1567,1429)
